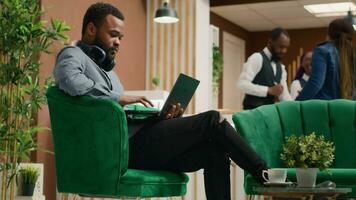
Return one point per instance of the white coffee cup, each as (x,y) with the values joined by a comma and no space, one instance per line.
(275,175)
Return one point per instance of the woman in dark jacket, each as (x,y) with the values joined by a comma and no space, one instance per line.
(332,65)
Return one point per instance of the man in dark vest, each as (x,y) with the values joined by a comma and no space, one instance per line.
(263,78)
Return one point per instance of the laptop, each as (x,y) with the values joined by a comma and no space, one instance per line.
(182,92)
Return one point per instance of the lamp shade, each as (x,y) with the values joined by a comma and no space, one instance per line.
(166,14)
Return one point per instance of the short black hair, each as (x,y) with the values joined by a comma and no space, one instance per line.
(97,12)
(277,32)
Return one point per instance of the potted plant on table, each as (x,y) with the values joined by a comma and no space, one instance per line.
(307,153)
(28,177)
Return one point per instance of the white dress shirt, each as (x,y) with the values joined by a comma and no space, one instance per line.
(249,71)
(296,87)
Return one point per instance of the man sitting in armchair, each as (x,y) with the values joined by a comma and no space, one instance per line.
(175,143)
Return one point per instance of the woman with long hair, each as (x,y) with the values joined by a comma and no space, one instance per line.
(333,71)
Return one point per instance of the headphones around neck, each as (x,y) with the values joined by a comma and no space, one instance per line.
(98,55)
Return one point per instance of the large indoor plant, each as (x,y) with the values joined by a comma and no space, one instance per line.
(23,37)
(307,153)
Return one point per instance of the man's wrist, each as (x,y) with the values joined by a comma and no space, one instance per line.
(266,90)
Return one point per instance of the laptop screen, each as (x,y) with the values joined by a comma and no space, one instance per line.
(182,92)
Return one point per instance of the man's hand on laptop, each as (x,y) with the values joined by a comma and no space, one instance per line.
(175,111)
(125,100)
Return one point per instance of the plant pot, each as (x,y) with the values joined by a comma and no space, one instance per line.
(306,177)
(27,189)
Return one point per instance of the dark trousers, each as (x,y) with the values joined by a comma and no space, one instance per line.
(191,143)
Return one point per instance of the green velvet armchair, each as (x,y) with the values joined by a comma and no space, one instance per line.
(266,127)
(91,151)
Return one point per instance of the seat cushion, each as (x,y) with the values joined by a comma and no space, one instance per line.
(146,183)
(344,178)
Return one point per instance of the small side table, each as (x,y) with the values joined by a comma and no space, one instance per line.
(301,193)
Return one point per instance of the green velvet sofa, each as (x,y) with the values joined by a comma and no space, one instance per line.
(91,151)
(266,127)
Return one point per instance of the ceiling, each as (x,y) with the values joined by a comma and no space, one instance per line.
(265,16)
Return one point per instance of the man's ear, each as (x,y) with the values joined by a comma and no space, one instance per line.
(91,29)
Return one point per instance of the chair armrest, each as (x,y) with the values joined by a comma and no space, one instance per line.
(90,142)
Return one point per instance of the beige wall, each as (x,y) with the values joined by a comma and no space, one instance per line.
(131,60)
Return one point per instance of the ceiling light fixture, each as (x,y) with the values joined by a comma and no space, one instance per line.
(330,9)
(166,14)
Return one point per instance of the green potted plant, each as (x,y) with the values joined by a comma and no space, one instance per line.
(155,82)
(217,63)
(217,67)
(24,36)
(307,153)
(28,177)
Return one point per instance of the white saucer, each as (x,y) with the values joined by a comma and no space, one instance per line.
(278,184)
